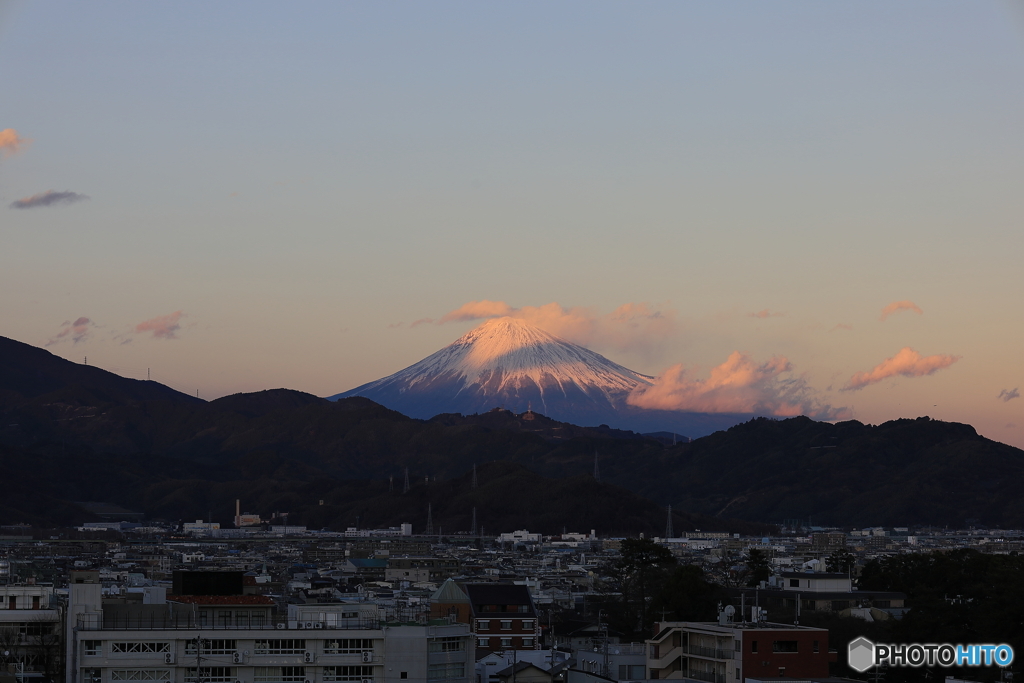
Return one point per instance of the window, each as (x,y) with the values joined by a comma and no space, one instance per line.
(524,609)
(455,644)
(347,673)
(483,642)
(140,675)
(224,618)
(506,624)
(794,583)
(210,674)
(483,624)
(137,648)
(527,642)
(527,624)
(506,642)
(753,646)
(257,619)
(403,675)
(279,647)
(347,646)
(35,602)
(279,674)
(737,643)
(212,647)
(92,675)
(784,646)
(440,672)
(92,648)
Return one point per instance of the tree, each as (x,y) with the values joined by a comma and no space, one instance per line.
(687,595)
(758,567)
(643,566)
(841,561)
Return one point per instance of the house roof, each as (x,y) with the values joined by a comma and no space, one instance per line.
(221,599)
(449,592)
(498,594)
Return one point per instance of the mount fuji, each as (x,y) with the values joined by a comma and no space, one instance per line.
(506,362)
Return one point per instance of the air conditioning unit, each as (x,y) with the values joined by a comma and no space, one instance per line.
(169,658)
(367,680)
(236,658)
(307,657)
(308,680)
(299,624)
(238,681)
(282,625)
(367,656)
(318,624)
(309,624)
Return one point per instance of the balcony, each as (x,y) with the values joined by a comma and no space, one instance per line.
(707,676)
(708,652)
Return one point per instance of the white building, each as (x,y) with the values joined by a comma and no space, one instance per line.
(238,639)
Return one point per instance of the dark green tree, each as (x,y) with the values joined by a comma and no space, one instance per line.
(758,567)
(643,567)
(841,561)
(686,595)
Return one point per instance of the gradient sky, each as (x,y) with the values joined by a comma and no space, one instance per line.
(270,194)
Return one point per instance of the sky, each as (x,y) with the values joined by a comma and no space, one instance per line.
(803,206)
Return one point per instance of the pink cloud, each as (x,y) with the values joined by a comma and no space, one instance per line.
(477,310)
(631,326)
(897,306)
(739,385)
(75,331)
(766,314)
(908,363)
(11,142)
(162,326)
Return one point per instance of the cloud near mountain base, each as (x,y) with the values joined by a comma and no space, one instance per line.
(739,385)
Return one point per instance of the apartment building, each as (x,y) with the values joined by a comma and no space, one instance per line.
(732,652)
(241,639)
(30,631)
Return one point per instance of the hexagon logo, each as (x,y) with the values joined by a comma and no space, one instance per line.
(861,654)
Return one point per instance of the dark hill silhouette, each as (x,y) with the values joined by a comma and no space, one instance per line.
(29,373)
(74,433)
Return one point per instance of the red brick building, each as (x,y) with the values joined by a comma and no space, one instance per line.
(732,652)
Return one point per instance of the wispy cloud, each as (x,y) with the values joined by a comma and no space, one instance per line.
(162,326)
(897,306)
(766,314)
(421,321)
(1009,395)
(72,331)
(739,385)
(632,326)
(48,198)
(906,363)
(11,142)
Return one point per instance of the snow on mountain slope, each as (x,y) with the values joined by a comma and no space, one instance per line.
(508,363)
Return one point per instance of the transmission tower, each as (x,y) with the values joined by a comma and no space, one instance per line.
(668,524)
(430,521)
(474,475)
(405,489)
